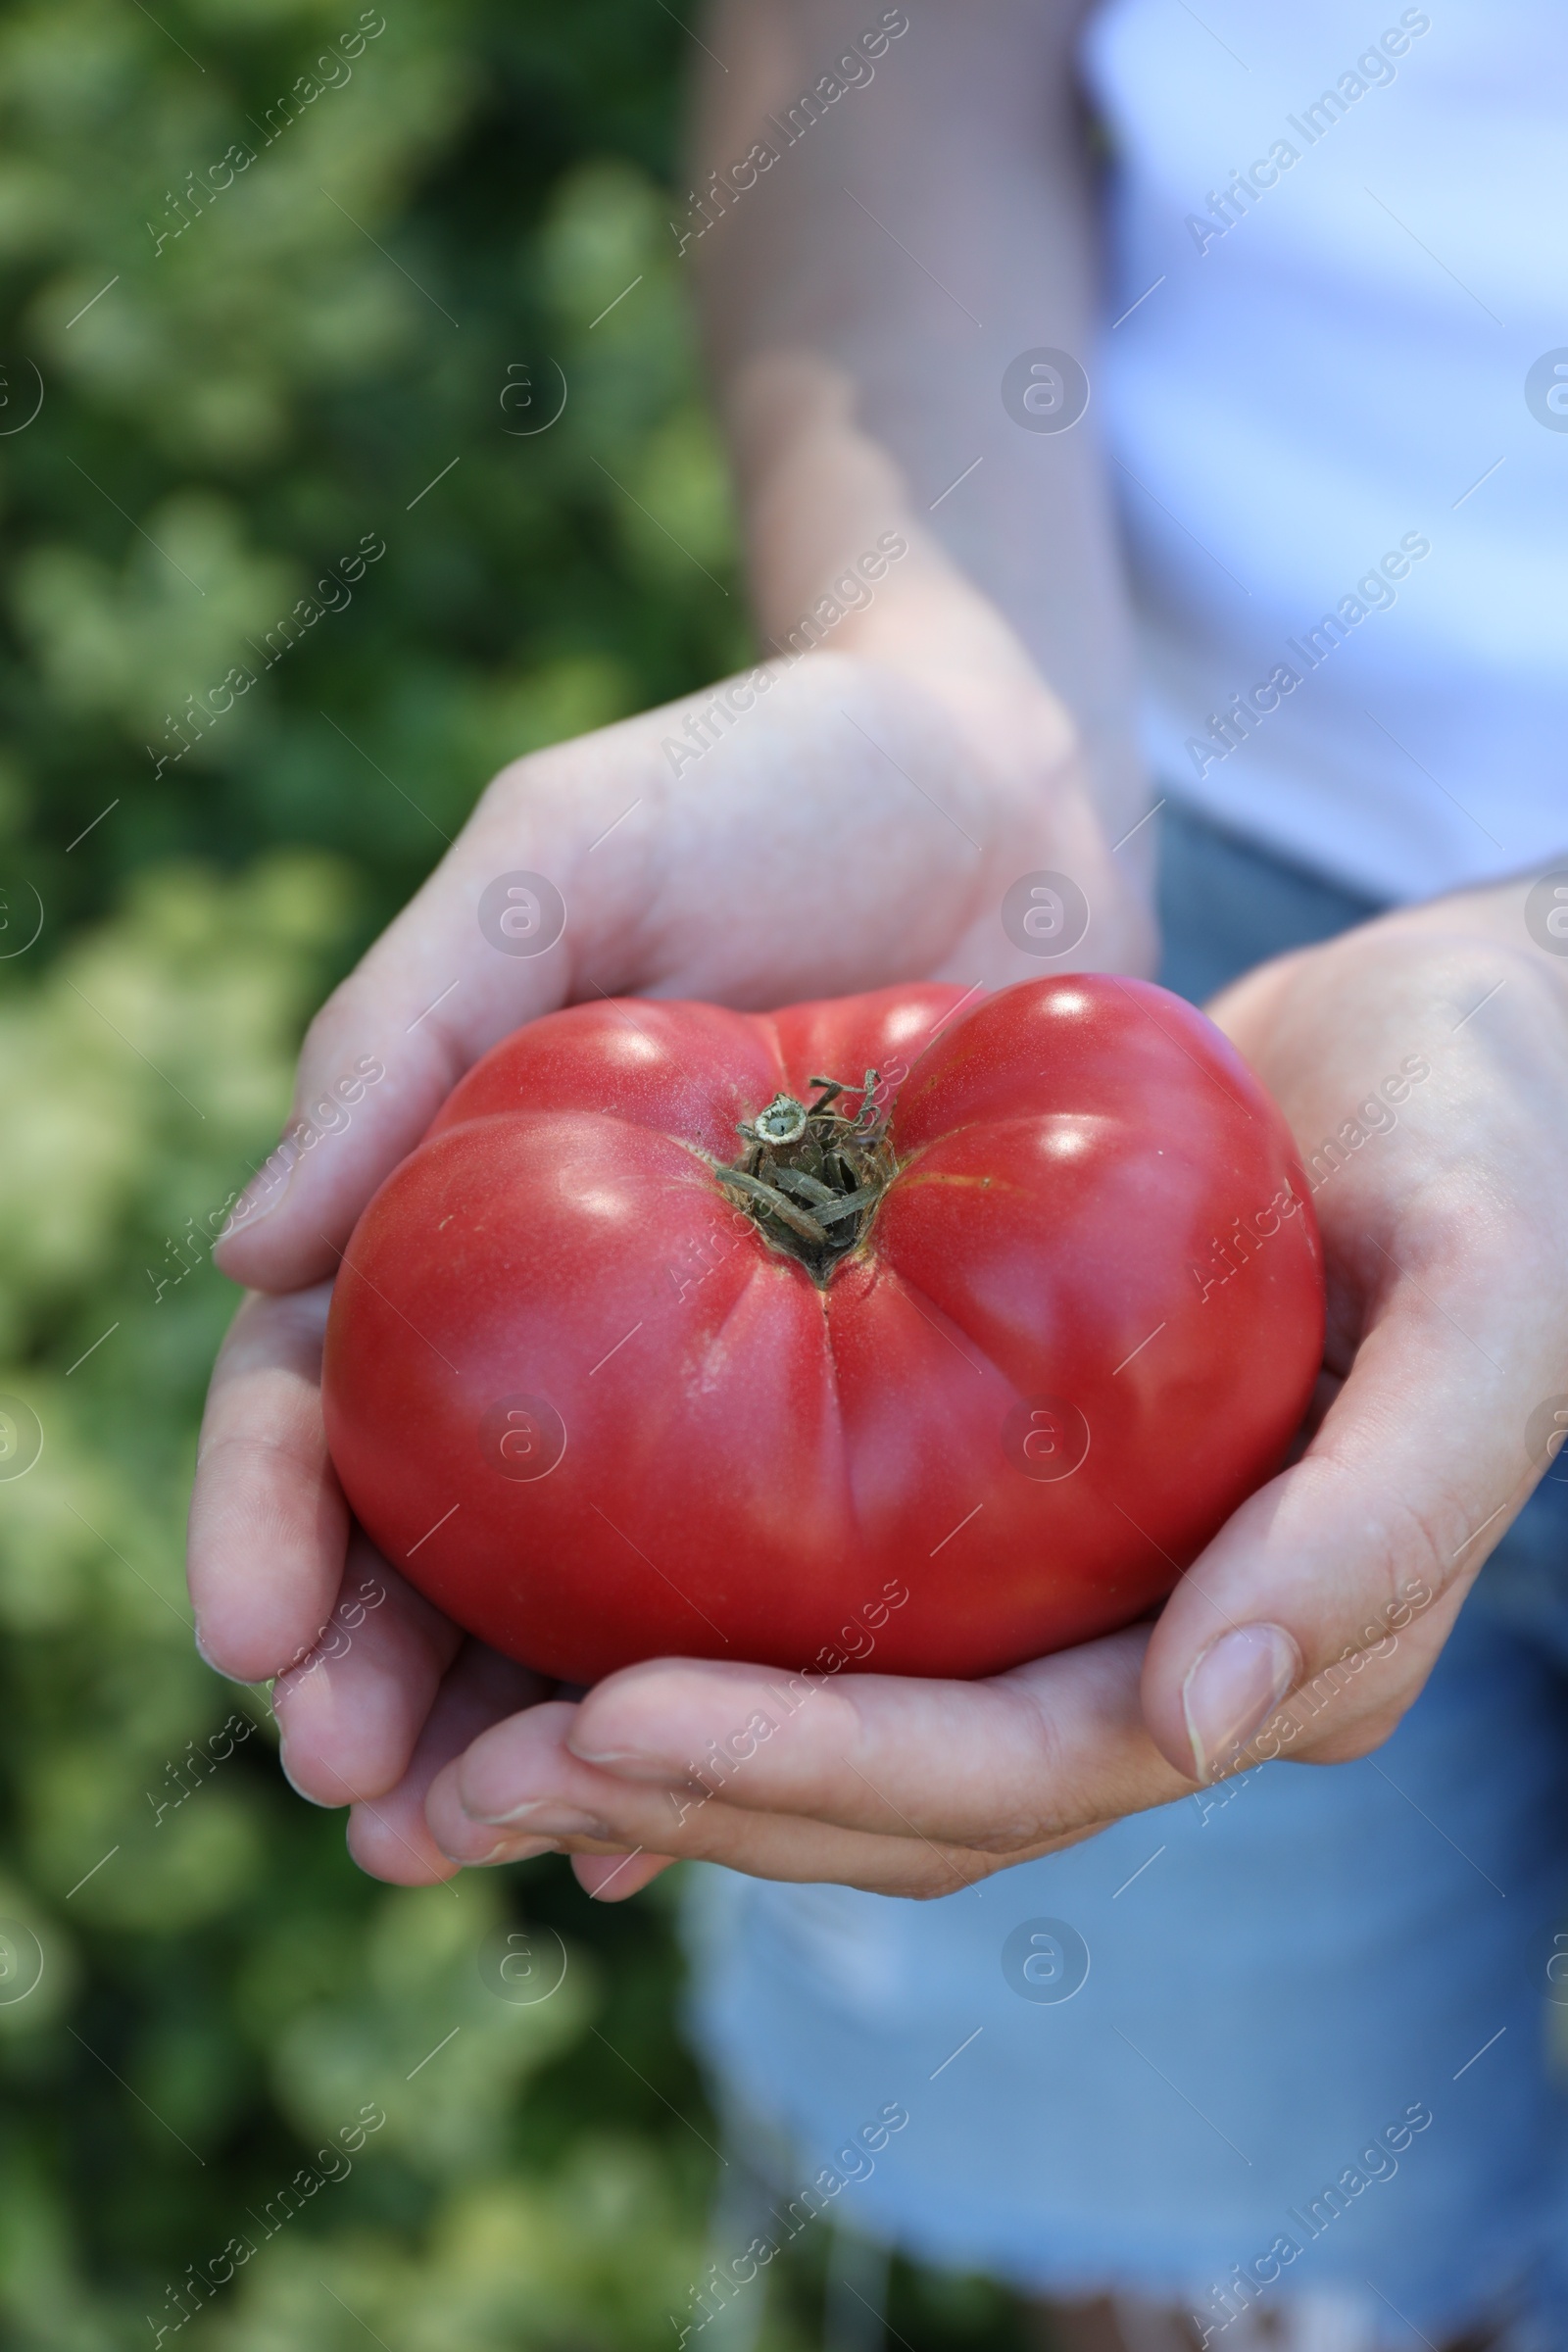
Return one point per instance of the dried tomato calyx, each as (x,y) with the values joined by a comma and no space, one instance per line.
(810,1176)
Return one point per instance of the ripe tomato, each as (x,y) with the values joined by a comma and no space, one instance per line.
(612,1374)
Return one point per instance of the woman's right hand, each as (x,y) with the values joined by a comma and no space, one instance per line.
(858,825)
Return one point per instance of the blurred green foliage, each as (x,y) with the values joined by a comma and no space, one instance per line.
(347,342)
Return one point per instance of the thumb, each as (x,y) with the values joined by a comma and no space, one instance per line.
(1312,1620)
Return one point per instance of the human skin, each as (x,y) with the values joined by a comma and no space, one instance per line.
(968,725)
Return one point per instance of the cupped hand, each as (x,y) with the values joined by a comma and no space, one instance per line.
(1421,1065)
(853,827)
(855,824)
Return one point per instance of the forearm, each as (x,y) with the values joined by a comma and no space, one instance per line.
(862,297)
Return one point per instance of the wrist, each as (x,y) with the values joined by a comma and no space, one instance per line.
(1000,728)
(840,554)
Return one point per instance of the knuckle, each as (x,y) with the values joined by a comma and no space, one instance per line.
(927,1878)
(1429,1544)
(1008,1839)
(325,1026)
(1462,1227)
(517,788)
(1361,1739)
(1039,1772)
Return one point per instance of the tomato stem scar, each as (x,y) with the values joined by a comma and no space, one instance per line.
(811,1177)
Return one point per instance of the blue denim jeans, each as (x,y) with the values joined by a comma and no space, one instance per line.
(1294,2034)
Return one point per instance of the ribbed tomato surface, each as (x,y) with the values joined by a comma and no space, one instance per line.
(579,1400)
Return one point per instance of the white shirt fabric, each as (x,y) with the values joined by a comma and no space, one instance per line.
(1332,376)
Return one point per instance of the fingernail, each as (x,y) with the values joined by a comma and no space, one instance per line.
(266,1194)
(547,1818)
(637,1763)
(1233,1688)
(505,1849)
(634,1760)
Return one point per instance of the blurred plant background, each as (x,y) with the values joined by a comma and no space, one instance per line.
(349,342)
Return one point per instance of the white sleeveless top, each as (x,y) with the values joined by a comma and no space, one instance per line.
(1332,376)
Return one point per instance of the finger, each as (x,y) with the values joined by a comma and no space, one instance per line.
(601,1819)
(1339,1581)
(351,1713)
(388,1836)
(611,1882)
(533,1742)
(445,981)
(378,1060)
(601,1845)
(268,1526)
(605,1819)
(785,1846)
(995,1767)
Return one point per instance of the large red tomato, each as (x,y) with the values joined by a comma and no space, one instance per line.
(654,1346)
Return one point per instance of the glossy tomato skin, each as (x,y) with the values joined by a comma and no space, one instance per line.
(579,1401)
